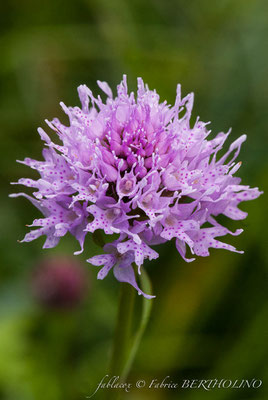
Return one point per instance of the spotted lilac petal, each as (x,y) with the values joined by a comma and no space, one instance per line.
(126,274)
(205,238)
(176,228)
(123,270)
(108,260)
(141,251)
(181,247)
(103,219)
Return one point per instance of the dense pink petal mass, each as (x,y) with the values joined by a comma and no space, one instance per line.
(133,166)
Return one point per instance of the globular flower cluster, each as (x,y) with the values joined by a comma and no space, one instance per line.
(133,166)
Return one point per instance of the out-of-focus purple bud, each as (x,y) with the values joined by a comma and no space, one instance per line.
(59,282)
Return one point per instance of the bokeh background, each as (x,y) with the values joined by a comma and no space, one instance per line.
(209,319)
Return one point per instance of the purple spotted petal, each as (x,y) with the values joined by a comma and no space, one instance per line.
(126,274)
(108,260)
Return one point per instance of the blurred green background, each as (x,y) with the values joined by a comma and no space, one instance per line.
(209,318)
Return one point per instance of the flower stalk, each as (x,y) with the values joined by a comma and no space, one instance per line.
(146,311)
(121,341)
(125,346)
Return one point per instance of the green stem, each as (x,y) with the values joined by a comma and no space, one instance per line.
(124,350)
(122,329)
(146,310)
